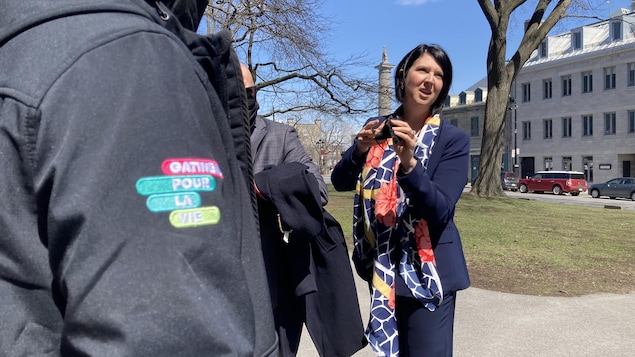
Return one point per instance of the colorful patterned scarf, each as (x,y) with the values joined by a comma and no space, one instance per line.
(382,216)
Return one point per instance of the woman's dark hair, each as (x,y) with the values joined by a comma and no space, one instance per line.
(404,66)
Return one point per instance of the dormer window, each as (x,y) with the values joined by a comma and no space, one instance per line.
(576,40)
(463,98)
(542,49)
(478,95)
(616,30)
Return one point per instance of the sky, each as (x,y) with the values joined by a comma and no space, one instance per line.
(365,27)
(459,26)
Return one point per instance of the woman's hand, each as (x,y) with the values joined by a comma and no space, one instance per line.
(366,137)
(404,148)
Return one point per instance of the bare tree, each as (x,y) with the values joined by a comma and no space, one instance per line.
(501,73)
(282,42)
(324,140)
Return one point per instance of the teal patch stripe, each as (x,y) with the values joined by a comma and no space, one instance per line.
(172,184)
(173,201)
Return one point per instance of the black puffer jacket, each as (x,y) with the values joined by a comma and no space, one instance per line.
(126,226)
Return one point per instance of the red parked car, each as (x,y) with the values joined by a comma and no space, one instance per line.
(558,182)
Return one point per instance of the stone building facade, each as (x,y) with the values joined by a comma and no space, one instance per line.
(573,105)
(575,101)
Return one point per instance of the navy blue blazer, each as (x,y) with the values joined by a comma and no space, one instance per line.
(434,193)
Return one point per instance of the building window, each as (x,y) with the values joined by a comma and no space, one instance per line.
(454,122)
(576,40)
(463,98)
(547,125)
(566,127)
(546,88)
(587,125)
(526,92)
(609,78)
(609,123)
(566,163)
(631,121)
(566,86)
(447,101)
(478,95)
(526,130)
(631,74)
(548,163)
(616,30)
(542,49)
(587,82)
(474,131)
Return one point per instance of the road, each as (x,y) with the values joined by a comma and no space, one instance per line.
(584,199)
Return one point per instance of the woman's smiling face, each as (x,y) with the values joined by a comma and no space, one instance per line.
(424,82)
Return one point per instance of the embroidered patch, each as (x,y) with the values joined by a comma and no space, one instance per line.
(165,184)
(173,201)
(178,191)
(191,167)
(195,217)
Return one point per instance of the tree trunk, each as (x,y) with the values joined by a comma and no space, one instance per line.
(500,75)
(488,177)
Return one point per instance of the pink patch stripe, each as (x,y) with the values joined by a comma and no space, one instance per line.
(191,166)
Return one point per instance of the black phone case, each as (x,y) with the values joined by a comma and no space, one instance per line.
(386,132)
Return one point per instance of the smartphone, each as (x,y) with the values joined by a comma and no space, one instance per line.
(387,132)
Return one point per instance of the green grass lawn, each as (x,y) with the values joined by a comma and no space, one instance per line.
(537,248)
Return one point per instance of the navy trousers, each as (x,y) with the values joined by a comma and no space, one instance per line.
(425,333)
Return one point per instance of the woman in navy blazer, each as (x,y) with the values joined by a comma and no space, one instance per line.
(407,184)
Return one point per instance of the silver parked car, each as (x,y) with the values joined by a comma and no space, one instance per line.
(617,187)
(509,181)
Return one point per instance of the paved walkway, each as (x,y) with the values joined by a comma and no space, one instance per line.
(494,324)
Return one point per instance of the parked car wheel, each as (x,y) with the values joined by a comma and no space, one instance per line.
(557,190)
(633,196)
(522,188)
(595,193)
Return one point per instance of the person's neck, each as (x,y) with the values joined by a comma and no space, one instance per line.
(416,118)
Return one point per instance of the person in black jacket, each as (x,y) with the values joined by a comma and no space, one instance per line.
(306,258)
(126,227)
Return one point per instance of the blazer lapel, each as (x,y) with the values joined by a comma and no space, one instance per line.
(259,133)
(437,151)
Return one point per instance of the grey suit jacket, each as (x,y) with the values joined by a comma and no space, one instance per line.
(274,143)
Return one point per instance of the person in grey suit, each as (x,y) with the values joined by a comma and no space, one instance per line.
(307,263)
(274,143)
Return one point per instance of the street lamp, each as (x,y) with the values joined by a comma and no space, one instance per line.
(320,143)
(513,106)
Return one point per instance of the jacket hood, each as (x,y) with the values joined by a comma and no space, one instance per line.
(18,16)
(189,12)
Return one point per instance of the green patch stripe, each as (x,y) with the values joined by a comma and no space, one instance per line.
(195,217)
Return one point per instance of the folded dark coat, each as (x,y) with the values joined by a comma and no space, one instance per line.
(310,277)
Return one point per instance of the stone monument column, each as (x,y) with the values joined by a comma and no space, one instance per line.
(385,87)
